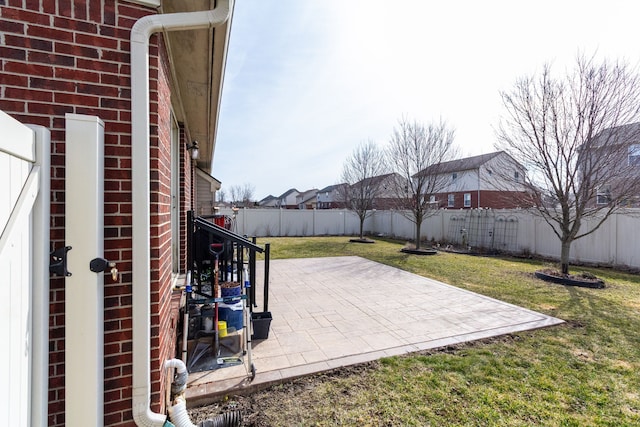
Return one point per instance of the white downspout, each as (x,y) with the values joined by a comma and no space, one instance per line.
(141,257)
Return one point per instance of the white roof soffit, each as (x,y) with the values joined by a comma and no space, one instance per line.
(197,60)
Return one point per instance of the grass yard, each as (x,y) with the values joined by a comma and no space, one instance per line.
(583,373)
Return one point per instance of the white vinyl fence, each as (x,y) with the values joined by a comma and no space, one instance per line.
(616,242)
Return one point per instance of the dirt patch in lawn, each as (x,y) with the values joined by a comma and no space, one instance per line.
(294,393)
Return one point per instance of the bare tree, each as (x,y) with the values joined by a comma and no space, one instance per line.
(360,174)
(246,193)
(416,152)
(242,194)
(573,135)
(235,192)
(222,195)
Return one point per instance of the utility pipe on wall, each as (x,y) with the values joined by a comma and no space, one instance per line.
(140,175)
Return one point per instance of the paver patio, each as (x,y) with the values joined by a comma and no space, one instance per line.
(338,311)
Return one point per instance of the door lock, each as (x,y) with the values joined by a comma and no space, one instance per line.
(99,265)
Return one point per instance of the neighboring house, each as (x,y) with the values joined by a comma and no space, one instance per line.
(386,186)
(269,202)
(206,187)
(493,180)
(615,167)
(331,197)
(307,199)
(289,199)
(153,77)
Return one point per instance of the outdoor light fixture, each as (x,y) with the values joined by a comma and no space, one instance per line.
(194,149)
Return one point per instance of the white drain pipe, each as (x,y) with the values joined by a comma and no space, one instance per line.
(140,176)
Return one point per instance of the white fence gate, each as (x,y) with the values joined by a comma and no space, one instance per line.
(24,260)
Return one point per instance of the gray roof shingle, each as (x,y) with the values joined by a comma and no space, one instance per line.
(468,163)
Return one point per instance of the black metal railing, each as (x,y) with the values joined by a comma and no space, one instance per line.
(206,241)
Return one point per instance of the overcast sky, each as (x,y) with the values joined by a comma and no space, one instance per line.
(308,80)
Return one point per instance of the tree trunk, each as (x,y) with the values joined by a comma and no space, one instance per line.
(361,228)
(418,226)
(564,256)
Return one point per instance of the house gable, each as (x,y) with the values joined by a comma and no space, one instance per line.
(288,199)
(488,181)
(330,197)
(307,200)
(268,202)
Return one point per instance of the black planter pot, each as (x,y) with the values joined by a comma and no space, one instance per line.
(261,323)
(585,283)
(419,251)
(365,240)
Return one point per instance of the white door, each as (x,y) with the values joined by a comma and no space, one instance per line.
(21,223)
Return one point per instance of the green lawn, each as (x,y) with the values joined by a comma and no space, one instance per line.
(583,373)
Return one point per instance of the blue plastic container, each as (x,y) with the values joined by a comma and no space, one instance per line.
(232,314)
(231,291)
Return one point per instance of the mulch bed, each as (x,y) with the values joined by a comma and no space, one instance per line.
(414,251)
(585,280)
(364,240)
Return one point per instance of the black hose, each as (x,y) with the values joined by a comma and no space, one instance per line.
(228,419)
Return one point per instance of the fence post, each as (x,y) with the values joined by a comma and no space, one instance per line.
(344,222)
(84,306)
(613,238)
(265,292)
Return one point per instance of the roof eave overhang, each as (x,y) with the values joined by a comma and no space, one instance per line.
(197,60)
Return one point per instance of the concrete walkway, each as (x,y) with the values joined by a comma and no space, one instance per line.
(332,312)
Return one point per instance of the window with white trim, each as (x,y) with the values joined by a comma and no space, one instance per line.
(467,200)
(175,196)
(451,200)
(603,197)
(634,155)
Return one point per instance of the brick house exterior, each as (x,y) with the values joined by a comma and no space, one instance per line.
(330,197)
(612,163)
(307,199)
(383,187)
(66,56)
(493,180)
(288,199)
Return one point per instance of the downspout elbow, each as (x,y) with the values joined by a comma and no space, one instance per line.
(146,26)
(143,416)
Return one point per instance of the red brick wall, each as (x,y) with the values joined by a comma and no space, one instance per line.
(162,343)
(61,56)
(505,199)
(488,199)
